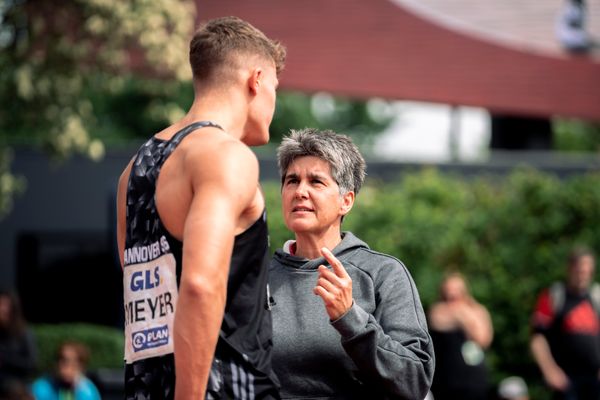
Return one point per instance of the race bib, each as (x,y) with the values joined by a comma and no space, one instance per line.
(150,292)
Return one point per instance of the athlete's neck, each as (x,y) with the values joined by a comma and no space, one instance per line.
(225,107)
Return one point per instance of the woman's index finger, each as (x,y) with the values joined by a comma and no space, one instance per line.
(336,264)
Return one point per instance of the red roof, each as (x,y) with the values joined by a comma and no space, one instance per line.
(378,48)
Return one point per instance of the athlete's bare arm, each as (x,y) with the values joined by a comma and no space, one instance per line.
(223,184)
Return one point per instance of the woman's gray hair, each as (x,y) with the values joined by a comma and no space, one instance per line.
(346,163)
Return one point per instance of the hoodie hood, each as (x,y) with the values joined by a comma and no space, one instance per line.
(347,246)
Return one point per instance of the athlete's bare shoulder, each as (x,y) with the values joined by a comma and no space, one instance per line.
(229,168)
(208,164)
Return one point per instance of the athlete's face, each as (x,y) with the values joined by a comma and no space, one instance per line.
(262,106)
(311,200)
(581,274)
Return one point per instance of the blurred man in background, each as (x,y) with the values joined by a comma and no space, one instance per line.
(566,331)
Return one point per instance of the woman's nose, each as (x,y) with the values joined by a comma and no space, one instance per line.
(301,191)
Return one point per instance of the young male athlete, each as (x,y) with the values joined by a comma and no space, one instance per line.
(192,231)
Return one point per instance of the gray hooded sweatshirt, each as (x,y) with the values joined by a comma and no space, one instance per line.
(379,349)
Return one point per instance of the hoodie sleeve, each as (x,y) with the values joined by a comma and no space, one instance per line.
(391,348)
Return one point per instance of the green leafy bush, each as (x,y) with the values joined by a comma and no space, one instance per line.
(105,344)
(509,235)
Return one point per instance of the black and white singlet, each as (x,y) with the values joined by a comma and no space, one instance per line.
(241,368)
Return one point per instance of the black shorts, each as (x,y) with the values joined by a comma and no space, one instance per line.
(230,378)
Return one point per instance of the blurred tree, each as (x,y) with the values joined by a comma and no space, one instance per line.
(360,119)
(50,53)
(80,74)
(47,62)
(10,185)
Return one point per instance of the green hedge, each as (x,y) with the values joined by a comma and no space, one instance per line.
(509,235)
(105,344)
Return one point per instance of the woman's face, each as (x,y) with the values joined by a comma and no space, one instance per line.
(311,200)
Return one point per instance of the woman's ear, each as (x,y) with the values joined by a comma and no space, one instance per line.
(347,203)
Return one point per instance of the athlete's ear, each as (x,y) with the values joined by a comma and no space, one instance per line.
(254,81)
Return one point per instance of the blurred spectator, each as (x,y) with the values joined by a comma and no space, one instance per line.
(513,388)
(461,330)
(566,331)
(17,391)
(570,29)
(17,346)
(69,380)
